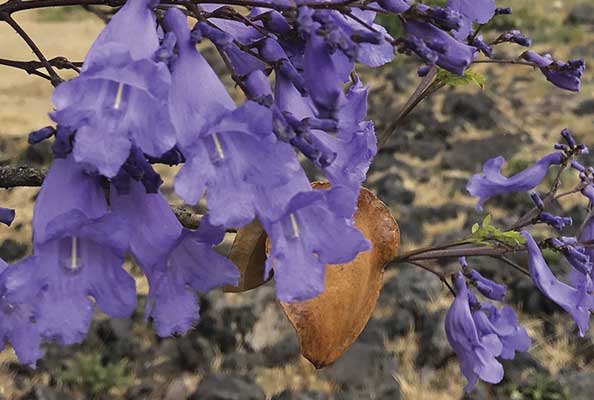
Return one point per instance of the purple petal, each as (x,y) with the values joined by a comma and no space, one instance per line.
(572,300)
(491,183)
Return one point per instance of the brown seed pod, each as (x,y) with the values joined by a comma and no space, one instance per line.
(328,324)
(249,256)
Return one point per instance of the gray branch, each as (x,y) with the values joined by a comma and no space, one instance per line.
(23,176)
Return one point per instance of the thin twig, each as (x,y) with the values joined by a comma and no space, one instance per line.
(55,78)
(441,276)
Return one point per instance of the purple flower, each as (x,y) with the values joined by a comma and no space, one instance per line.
(156,228)
(191,266)
(491,183)
(487,287)
(17,314)
(69,197)
(437,47)
(233,164)
(120,98)
(588,236)
(472,11)
(556,221)
(566,75)
(193,112)
(514,36)
(395,6)
(6,216)
(576,301)
(307,237)
(476,354)
(503,323)
(79,250)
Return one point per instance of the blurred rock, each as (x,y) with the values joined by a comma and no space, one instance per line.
(412,288)
(478,109)
(391,190)
(362,365)
(40,392)
(283,352)
(307,395)
(585,107)
(435,349)
(578,384)
(11,250)
(463,154)
(581,14)
(399,324)
(227,387)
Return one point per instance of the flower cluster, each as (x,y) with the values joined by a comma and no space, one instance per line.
(478,331)
(145,95)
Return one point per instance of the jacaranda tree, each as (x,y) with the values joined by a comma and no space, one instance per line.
(145,95)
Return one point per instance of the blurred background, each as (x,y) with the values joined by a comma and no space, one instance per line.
(243,347)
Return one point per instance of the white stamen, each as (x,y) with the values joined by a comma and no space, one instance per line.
(218,146)
(294,225)
(73,254)
(118,99)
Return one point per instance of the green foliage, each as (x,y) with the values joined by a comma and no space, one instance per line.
(543,388)
(391,23)
(470,77)
(486,232)
(88,373)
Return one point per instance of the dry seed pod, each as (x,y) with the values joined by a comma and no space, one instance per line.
(328,324)
(249,256)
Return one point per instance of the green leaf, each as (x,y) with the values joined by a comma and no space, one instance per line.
(470,77)
(488,233)
(487,221)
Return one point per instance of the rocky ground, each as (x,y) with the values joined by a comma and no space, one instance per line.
(243,348)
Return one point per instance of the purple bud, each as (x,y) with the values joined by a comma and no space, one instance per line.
(6,216)
(577,166)
(41,134)
(561,146)
(555,221)
(566,134)
(537,200)
(487,287)
(423,70)
(503,11)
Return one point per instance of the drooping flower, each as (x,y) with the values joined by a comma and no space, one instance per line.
(576,301)
(120,98)
(491,183)
(191,266)
(566,75)
(437,47)
(197,97)
(503,323)
(472,11)
(487,287)
(79,250)
(476,354)
(156,229)
(17,314)
(306,238)
(233,164)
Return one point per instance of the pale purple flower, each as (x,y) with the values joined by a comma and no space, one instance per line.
(566,75)
(503,323)
(191,266)
(491,183)
(304,239)
(487,287)
(476,354)
(17,313)
(576,301)
(472,11)
(120,98)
